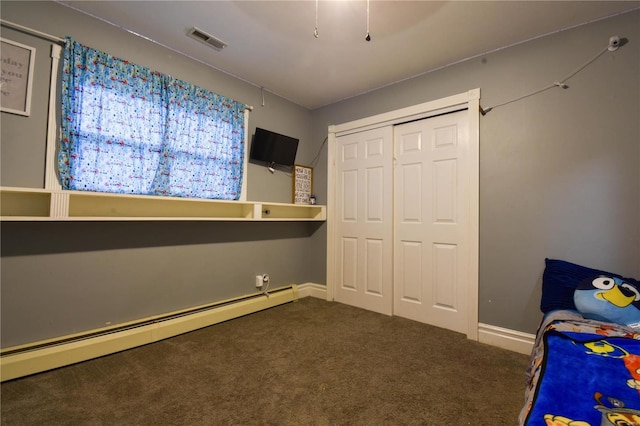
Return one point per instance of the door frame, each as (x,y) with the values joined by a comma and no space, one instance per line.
(470,101)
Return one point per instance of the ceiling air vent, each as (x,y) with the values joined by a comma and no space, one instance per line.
(208,39)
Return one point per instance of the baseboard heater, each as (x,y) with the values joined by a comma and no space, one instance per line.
(36,357)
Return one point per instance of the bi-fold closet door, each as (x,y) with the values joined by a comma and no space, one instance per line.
(402,234)
(364,207)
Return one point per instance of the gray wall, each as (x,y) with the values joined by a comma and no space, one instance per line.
(559,171)
(560,177)
(60,278)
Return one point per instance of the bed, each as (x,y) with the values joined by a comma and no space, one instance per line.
(584,368)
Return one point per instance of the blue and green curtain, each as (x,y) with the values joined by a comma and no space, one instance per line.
(128,129)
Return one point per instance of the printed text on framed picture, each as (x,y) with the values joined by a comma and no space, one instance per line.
(17,77)
(302,184)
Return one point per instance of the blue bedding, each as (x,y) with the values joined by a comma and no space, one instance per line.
(583,373)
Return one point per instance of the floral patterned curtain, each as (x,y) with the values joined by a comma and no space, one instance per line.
(128,129)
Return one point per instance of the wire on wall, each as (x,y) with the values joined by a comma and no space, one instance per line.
(614,43)
(315,159)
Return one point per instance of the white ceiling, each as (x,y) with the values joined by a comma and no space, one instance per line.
(271,44)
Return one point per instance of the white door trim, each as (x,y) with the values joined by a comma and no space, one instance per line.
(469,100)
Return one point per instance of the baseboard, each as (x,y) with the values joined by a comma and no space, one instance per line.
(46,355)
(505,338)
(318,291)
(41,356)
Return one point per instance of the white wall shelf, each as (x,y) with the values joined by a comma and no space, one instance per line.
(34,204)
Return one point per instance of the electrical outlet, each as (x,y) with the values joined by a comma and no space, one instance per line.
(259,281)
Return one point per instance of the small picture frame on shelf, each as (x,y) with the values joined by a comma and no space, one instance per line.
(17,77)
(302,184)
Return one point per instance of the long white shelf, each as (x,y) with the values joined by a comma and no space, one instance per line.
(34,204)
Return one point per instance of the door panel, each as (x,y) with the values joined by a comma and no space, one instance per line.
(364,202)
(374,258)
(444,182)
(409,273)
(349,192)
(348,266)
(431,229)
(445,282)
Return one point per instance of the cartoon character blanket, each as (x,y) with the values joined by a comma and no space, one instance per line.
(583,373)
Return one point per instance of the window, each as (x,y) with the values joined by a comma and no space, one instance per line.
(128,129)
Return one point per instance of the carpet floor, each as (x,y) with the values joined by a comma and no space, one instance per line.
(309,362)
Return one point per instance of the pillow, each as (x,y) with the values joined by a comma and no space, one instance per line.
(610,299)
(559,281)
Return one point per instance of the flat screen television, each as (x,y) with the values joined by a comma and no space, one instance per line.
(273,150)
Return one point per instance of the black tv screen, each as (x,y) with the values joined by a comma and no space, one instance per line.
(273,149)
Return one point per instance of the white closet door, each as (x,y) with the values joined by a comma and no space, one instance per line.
(364,269)
(431,237)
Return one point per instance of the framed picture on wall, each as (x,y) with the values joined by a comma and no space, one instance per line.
(17,77)
(302,184)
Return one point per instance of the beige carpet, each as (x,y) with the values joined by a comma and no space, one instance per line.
(309,362)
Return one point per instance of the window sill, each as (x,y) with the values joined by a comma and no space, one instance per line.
(33,204)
